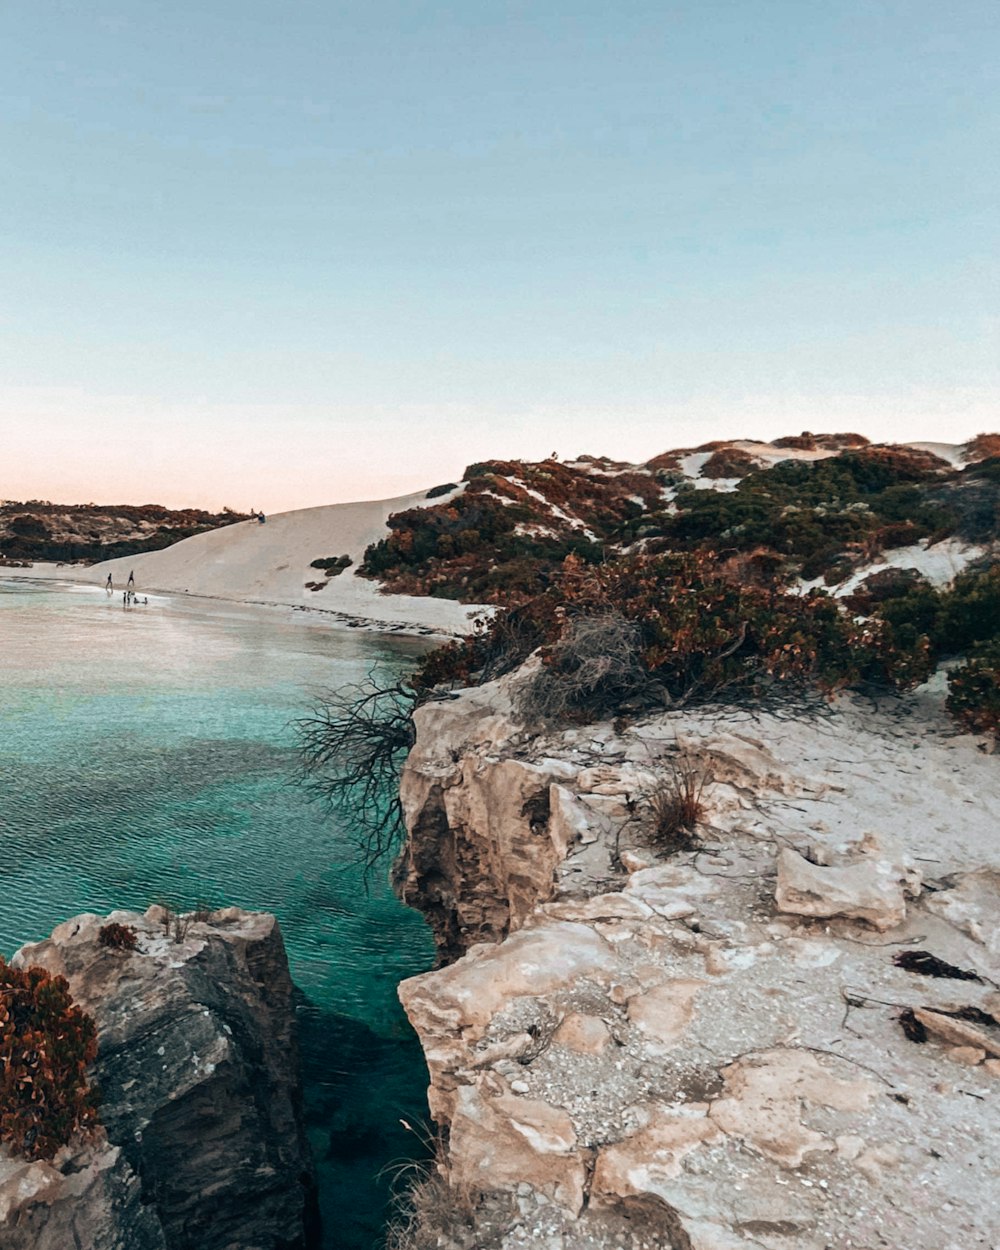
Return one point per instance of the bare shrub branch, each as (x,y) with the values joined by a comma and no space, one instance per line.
(594,668)
(352,746)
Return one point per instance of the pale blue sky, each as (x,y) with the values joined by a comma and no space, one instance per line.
(286,253)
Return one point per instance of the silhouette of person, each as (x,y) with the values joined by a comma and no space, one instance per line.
(131,578)
(109,585)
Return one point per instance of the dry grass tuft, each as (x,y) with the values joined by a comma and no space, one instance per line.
(674,806)
(428,1210)
(431,1213)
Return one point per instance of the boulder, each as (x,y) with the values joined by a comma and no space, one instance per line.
(871,887)
(86,1196)
(198,1071)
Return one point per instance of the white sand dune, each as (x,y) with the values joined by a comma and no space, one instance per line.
(269,563)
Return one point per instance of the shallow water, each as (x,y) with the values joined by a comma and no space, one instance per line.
(147,755)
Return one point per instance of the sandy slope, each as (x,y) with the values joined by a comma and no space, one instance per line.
(270,564)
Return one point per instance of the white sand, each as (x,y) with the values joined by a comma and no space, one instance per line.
(940,563)
(269,564)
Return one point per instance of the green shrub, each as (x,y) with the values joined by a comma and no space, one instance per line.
(974,691)
(332,566)
(46,1046)
(970,612)
(700,636)
(953,620)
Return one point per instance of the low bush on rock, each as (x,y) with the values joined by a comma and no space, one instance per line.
(46,1046)
(596,666)
(974,691)
(121,937)
(693,635)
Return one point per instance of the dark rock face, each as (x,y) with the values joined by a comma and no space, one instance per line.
(199,1076)
(88,1198)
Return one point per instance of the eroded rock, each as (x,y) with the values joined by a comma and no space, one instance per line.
(200,1088)
(872,889)
(764,1096)
(664,1012)
(727,1079)
(503,1140)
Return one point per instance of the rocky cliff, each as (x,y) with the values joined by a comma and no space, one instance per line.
(201,1145)
(706,1050)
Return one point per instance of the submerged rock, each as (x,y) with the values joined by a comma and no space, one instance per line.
(202,1145)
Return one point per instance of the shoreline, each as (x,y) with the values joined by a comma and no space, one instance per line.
(337,617)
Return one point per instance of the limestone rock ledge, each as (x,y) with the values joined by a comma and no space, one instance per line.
(704,1052)
(201,1145)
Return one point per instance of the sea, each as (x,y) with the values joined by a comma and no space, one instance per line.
(149,756)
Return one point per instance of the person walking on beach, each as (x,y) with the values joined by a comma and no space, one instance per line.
(109,585)
(131,579)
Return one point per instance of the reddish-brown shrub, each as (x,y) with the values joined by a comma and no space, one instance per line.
(46,1046)
(121,937)
(668,461)
(700,636)
(729,462)
(796,442)
(837,442)
(982,447)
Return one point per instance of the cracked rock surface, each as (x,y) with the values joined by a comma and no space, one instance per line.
(703,1051)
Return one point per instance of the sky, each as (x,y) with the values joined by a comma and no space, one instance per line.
(278,253)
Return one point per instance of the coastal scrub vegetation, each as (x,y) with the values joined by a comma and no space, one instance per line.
(46,1046)
(683,629)
(505,536)
(638,591)
(39,530)
(974,690)
(686,631)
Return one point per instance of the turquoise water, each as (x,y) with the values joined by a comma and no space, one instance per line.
(148,756)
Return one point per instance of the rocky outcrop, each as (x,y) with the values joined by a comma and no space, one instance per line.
(87,1198)
(871,884)
(201,1145)
(484,840)
(705,1052)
